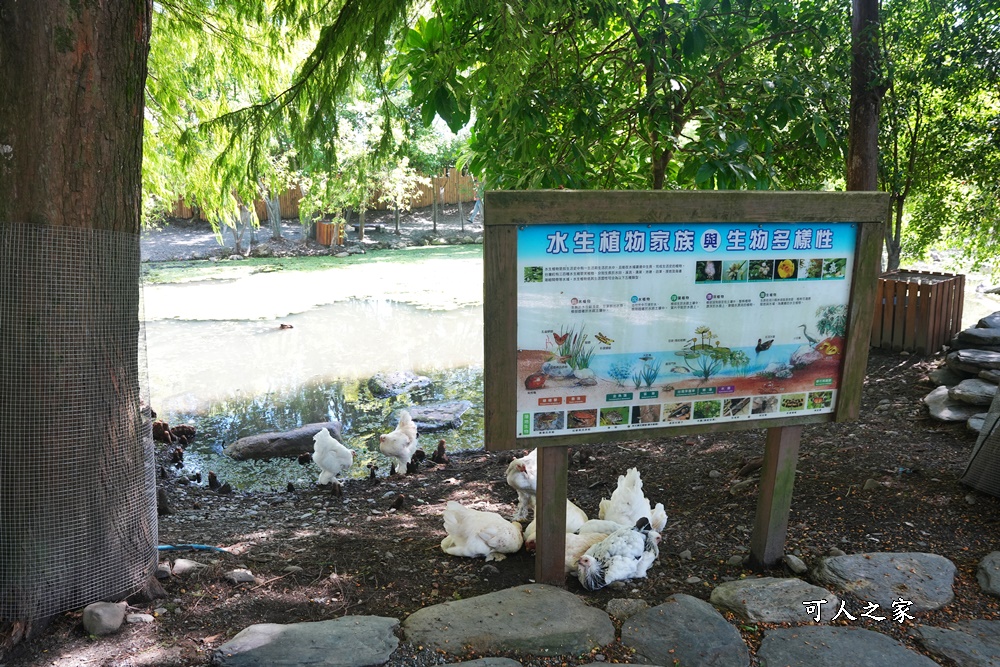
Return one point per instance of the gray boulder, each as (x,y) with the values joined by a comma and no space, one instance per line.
(287,444)
(990,321)
(980,336)
(973,392)
(384,385)
(925,580)
(685,631)
(351,641)
(534,619)
(820,646)
(435,417)
(103,618)
(973,360)
(973,643)
(988,574)
(947,376)
(943,407)
(773,600)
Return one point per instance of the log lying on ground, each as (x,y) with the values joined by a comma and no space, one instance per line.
(287,444)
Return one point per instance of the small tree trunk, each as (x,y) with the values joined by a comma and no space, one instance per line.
(361,224)
(396,218)
(893,235)
(273,206)
(434,203)
(461,213)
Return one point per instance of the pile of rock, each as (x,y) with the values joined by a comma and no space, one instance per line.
(968,379)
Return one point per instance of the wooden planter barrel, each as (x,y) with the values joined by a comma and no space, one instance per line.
(328,233)
(917,311)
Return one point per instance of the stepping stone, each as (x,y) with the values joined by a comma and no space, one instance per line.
(685,631)
(434,417)
(535,619)
(384,385)
(973,360)
(990,321)
(988,574)
(969,643)
(774,600)
(285,444)
(819,646)
(923,579)
(351,641)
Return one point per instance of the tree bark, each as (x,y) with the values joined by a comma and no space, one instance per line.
(866,97)
(77,483)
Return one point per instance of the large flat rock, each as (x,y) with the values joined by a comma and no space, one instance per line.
(774,600)
(943,407)
(974,391)
(925,580)
(351,641)
(968,643)
(535,619)
(286,444)
(685,631)
(980,336)
(821,646)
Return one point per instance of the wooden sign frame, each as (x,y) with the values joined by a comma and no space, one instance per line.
(507,211)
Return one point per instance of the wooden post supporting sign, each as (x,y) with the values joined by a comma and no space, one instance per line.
(781,452)
(550,516)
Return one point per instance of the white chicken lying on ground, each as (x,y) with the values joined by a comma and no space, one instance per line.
(522,476)
(331,456)
(628,504)
(575,518)
(576,547)
(473,533)
(624,554)
(401,443)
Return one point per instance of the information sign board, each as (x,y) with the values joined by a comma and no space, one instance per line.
(672,311)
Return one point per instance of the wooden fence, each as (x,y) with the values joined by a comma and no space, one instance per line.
(917,311)
(449,188)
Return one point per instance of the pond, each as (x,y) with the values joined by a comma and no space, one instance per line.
(233,377)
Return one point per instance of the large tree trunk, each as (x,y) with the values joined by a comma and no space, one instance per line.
(77,483)
(866,98)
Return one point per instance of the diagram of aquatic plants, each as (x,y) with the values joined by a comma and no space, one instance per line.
(706,378)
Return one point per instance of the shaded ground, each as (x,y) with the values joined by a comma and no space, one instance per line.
(372,553)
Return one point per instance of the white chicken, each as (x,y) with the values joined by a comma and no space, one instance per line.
(522,476)
(600,526)
(473,533)
(575,518)
(401,443)
(576,547)
(628,504)
(331,456)
(624,554)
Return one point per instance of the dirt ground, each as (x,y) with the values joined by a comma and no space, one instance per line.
(376,550)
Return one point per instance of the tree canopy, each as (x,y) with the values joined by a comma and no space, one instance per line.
(618,94)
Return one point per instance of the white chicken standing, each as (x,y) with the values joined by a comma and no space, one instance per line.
(401,443)
(624,554)
(522,476)
(331,456)
(628,504)
(473,533)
